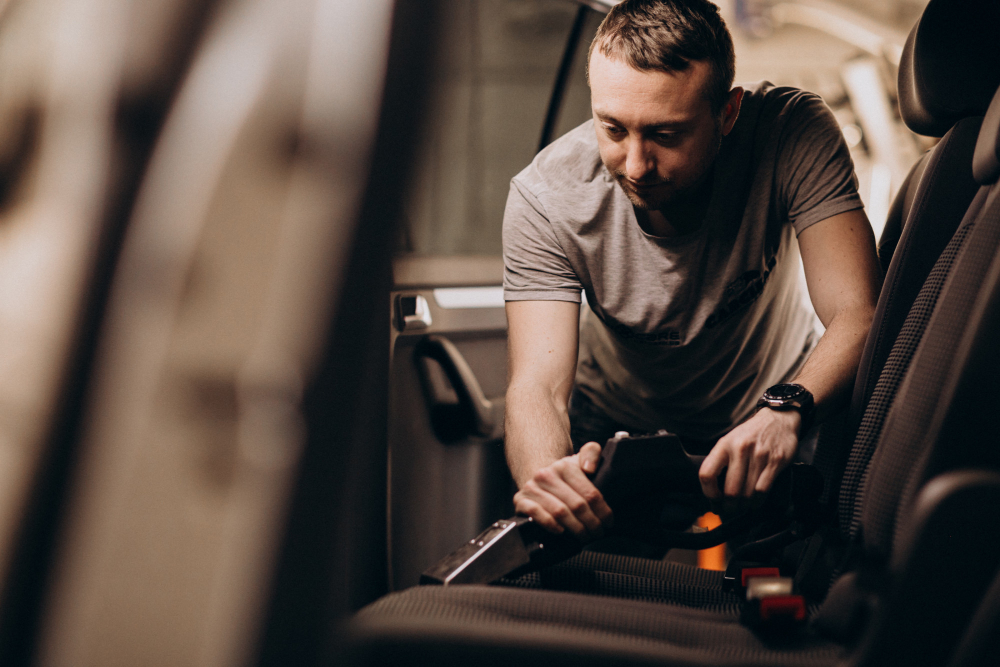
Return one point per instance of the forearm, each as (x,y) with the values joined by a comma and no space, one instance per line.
(536,429)
(830,370)
(553,487)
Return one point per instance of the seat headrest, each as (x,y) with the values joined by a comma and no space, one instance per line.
(986,159)
(950,65)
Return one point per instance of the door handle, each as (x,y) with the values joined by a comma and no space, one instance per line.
(473,413)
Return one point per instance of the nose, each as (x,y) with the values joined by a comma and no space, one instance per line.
(639,162)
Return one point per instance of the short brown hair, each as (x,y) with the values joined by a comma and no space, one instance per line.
(666,35)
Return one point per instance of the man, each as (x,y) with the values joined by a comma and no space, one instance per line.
(676,212)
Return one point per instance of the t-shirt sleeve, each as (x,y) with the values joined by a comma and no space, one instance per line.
(535,266)
(815,172)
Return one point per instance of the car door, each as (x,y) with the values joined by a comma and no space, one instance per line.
(509,75)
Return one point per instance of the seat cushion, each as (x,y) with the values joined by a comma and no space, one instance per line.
(494,625)
(635,579)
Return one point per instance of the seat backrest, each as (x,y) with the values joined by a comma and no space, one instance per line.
(910,386)
(961,429)
(898,212)
(932,207)
(929,428)
(942,422)
(230,268)
(908,435)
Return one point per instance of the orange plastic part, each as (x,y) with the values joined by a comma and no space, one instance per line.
(714,558)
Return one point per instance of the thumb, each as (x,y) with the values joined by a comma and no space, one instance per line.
(589,455)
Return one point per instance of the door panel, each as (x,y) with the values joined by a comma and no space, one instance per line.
(442,492)
(493,83)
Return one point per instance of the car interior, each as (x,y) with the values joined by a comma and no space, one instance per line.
(254,345)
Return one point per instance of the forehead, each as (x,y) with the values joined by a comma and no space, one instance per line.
(651,97)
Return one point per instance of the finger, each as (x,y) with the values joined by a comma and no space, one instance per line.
(768,476)
(758,461)
(736,475)
(530,508)
(563,502)
(711,467)
(589,455)
(596,506)
(578,494)
(565,517)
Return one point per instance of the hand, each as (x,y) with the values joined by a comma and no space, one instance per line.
(560,496)
(754,452)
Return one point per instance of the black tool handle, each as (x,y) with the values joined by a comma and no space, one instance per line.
(638,475)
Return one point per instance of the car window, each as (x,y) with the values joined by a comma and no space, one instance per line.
(493,76)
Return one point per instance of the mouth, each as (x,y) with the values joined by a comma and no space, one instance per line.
(640,186)
(645,187)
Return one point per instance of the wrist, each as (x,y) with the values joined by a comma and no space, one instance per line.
(790,419)
(790,398)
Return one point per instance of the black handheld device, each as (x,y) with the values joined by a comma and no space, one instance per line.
(632,472)
(651,484)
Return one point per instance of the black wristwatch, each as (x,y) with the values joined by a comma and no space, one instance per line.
(787,396)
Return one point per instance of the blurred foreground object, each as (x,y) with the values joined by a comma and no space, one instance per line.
(83,89)
(223,455)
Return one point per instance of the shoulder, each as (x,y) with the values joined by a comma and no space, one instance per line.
(779,108)
(569,167)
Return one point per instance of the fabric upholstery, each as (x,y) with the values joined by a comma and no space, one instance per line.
(634,578)
(942,196)
(877,408)
(909,422)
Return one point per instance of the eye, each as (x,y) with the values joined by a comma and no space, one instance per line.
(667,138)
(614,131)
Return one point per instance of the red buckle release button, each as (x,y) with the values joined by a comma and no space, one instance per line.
(783,606)
(758,572)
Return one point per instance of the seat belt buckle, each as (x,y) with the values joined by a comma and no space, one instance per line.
(759,572)
(737,574)
(771,603)
(734,580)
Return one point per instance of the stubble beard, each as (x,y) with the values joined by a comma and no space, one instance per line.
(650,203)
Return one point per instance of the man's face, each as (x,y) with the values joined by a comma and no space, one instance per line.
(656,131)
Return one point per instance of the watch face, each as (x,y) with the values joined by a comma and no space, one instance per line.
(783,392)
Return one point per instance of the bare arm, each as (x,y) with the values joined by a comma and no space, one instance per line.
(842,272)
(542,346)
(542,351)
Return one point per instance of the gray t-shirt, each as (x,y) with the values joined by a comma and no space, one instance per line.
(685,332)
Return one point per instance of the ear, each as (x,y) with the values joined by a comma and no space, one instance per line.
(732,110)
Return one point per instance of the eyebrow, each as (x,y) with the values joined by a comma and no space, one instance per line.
(667,125)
